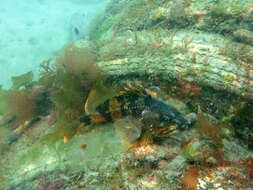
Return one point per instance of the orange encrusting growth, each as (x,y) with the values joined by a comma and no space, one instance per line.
(190,180)
(83,146)
(65,139)
(207,127)
(156,44)
(251,170)
(189,89)
(248,163)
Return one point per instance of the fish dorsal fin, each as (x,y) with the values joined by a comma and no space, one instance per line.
(132,87)
(140,89)
(98,95)
(153,94)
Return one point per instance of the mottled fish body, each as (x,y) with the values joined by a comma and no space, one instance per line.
(156,115)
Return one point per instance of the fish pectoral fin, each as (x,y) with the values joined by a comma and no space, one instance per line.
(166,131)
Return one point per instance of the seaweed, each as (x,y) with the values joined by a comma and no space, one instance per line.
(63,128)
(26,104)
(2,102)
(78,59)
(24,80)
(242,122)
(215,132)
(69,77)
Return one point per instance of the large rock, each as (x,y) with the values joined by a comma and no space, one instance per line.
(199,51)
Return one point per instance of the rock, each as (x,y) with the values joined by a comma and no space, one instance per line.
(181,47)
(11,138)
(191,118)
(244,36)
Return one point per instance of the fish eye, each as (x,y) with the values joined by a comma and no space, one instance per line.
(165,119)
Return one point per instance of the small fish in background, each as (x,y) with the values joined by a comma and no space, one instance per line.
(78,26)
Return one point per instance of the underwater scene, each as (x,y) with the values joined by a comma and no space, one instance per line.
(126,95)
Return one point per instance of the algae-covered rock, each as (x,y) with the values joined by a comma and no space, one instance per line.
(244,36)
(167,41)
(213,16)
(198,56)
(197,49)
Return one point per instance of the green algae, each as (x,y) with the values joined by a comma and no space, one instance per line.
(70,80)
(2,100)
(69,94)
(192,151)
(23,80)
(242,122)
(26,105)
(229,78)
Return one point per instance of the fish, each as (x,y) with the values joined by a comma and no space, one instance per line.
(78,26)
(158,117)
